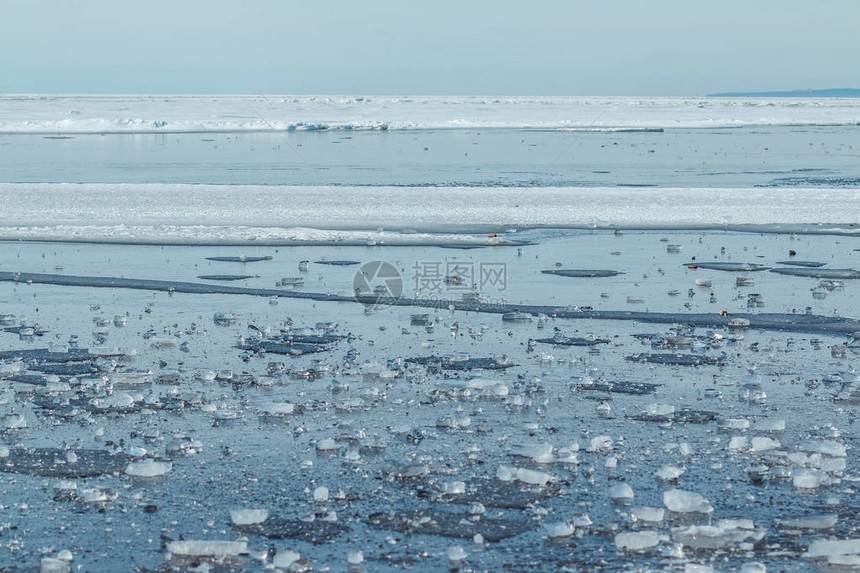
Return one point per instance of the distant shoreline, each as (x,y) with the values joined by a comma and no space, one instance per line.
(832,92)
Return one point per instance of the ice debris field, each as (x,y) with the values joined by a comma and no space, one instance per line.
(624,401)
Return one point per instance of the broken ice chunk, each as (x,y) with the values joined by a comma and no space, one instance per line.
(581,520)
(669,473)
(214,549)
(506,473)
(561,529)
(97,495)
(487,388)
(477,509)
(777,425)
(600,444)
(277,409)
(326,445)
(406,470)
(826,521)
(184,445)
(454,422)
(660,409)
(148,468)
(725,534)
(810,479)
(14,421)
(738,443)
(283,559)
(454,488)
(354,557)
(735,424)
(762,444)
(569,455)
(206,376)
(531,477)
(647,514)
(833,548)
(540,453)
(681,501)
(632,542)
(621,493)
(54,565)
(456,554)
(116,401)
(243,517)
(828,464)
(826,447)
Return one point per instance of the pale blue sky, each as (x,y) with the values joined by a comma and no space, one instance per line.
(574,47)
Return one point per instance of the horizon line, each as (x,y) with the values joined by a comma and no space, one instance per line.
(768,93)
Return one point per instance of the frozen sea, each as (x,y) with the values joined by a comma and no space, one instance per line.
(253,333)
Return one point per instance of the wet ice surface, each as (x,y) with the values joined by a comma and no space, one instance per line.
(163,430)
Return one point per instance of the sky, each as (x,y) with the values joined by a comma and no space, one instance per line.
(444,47)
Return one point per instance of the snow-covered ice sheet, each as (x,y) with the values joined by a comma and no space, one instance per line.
(175,214)
(198,113)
